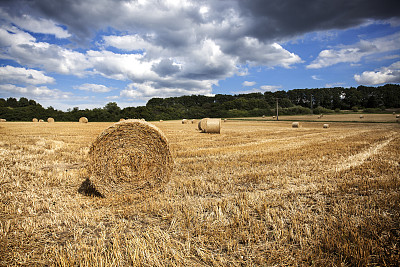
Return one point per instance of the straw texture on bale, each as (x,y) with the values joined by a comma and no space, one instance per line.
(41,120)
(210,125)
(34,120)
(295,124)
(325,126)
(83,120)
(3,120)
(130,156)
(50,120)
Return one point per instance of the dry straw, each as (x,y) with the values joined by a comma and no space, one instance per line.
(34,120)
(397,116)
(122,119)
(83,120)
(3,120)
(50,120)
(130,156)
(295,124)
(41,120)
(361,116)
(325,126)
(208,125)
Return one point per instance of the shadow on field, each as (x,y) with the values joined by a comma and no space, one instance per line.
(88,189)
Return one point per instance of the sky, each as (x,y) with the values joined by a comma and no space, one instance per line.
(87,53)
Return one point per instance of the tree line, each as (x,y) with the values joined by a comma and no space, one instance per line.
(292,102)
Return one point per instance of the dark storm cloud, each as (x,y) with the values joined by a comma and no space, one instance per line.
(286,18)
(165,68)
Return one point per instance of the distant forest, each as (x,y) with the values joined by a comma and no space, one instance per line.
(296,101)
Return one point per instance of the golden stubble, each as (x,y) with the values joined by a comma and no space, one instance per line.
(259,193)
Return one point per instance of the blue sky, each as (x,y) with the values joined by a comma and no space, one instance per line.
(85,54)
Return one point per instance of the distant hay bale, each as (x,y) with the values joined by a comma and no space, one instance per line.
(361,116)
(50,120)
(263,116)
(325,126)
(185,121)
(161,120)
(41,120)
(122,119)
(274,117)
(130,156)
(34,120)
(83,120)
(397,116)
(295,124)
(211,125)
(3,120)
(225,120)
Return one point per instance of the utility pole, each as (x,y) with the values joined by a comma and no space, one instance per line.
(277,110)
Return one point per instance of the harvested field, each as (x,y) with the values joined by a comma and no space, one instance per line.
(354,117)
(258,193)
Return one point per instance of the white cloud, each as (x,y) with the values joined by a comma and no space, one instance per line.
(271,88)
(354,53)
(390,74)
(10,74)
(315,77)
(41,92)
(247,83)
(36,25)
(97,88)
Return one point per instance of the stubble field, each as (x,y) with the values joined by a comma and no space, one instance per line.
(259,194)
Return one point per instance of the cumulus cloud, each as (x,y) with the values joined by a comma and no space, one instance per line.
(37,92)
(97,88)
(390,74)
(36,25)
(271,88)
(247,83)
(24,49)
(10,74)
(354,53)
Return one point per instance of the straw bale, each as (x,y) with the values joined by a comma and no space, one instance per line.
(295,124)
(34,120)
(3,120)
(161,120)
(394,113)
(83,120)
(263,116)
(397,116)
(130,156)
(41,120)
(274,117)
(185,121)
(199,126)
(325,126)
(211,125)
(361,116)
(50,120)
(122,119)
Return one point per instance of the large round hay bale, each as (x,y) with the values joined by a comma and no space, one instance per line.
(211,125)
(50,120)
(83,120)
(34,120)
(295,124)
(130,156)
(397,116)
(122,119)
(41,120)
(202,124)
(3,120)
(325,126)
(361,116)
